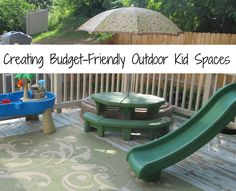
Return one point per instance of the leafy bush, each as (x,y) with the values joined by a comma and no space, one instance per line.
(201,16)
(112,4)
(136,3)
(62,9)
(195,15)
(89,7)
(13,14)
(58,12)
(42,4)
(103,36)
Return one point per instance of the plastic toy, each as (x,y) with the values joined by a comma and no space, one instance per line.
(19,83)
(149,159)
(25,78)
(5,101)
(20,104)
(38,91)
(19,108)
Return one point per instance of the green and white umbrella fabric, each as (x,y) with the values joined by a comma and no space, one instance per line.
(130,20)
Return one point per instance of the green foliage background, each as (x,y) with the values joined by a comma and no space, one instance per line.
(201,16)
(189,15)
(195,15)
(12,14)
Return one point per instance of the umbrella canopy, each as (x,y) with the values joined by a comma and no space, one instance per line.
(25,76)
(130,20)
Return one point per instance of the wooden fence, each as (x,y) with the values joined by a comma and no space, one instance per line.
(183,38)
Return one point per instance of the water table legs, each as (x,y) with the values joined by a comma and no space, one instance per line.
(32,118)
(48,124)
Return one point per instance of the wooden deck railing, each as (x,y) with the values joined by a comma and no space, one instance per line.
(184,91)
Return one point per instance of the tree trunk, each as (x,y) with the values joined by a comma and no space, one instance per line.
(25,89)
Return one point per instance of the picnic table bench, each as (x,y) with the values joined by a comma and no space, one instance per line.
(156,127)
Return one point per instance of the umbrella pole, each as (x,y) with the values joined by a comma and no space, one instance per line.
(129,83)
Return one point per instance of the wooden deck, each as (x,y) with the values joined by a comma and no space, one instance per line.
(211,168)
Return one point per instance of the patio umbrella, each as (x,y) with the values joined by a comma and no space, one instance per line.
(130,20)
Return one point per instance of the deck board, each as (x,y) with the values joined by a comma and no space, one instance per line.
(211,168)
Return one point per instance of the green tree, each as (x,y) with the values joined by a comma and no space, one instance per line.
(195,15)
(63,9)
(93,7)
(13,14)
(112,4)
(136,3)
(42,4)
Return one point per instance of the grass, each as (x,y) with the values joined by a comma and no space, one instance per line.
(64,33)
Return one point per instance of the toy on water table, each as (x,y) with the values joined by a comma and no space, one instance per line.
(19,83)
(25,79)
(38,90)
(5,101)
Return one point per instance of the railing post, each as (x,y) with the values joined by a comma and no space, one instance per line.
(207,88)
(127,83)
(4,82)
(58,90)
(13,84)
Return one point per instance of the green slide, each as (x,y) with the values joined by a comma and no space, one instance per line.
(149,159)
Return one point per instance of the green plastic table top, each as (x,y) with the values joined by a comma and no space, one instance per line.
(128,100)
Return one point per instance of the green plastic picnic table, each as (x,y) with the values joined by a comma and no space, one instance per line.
(127,102)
